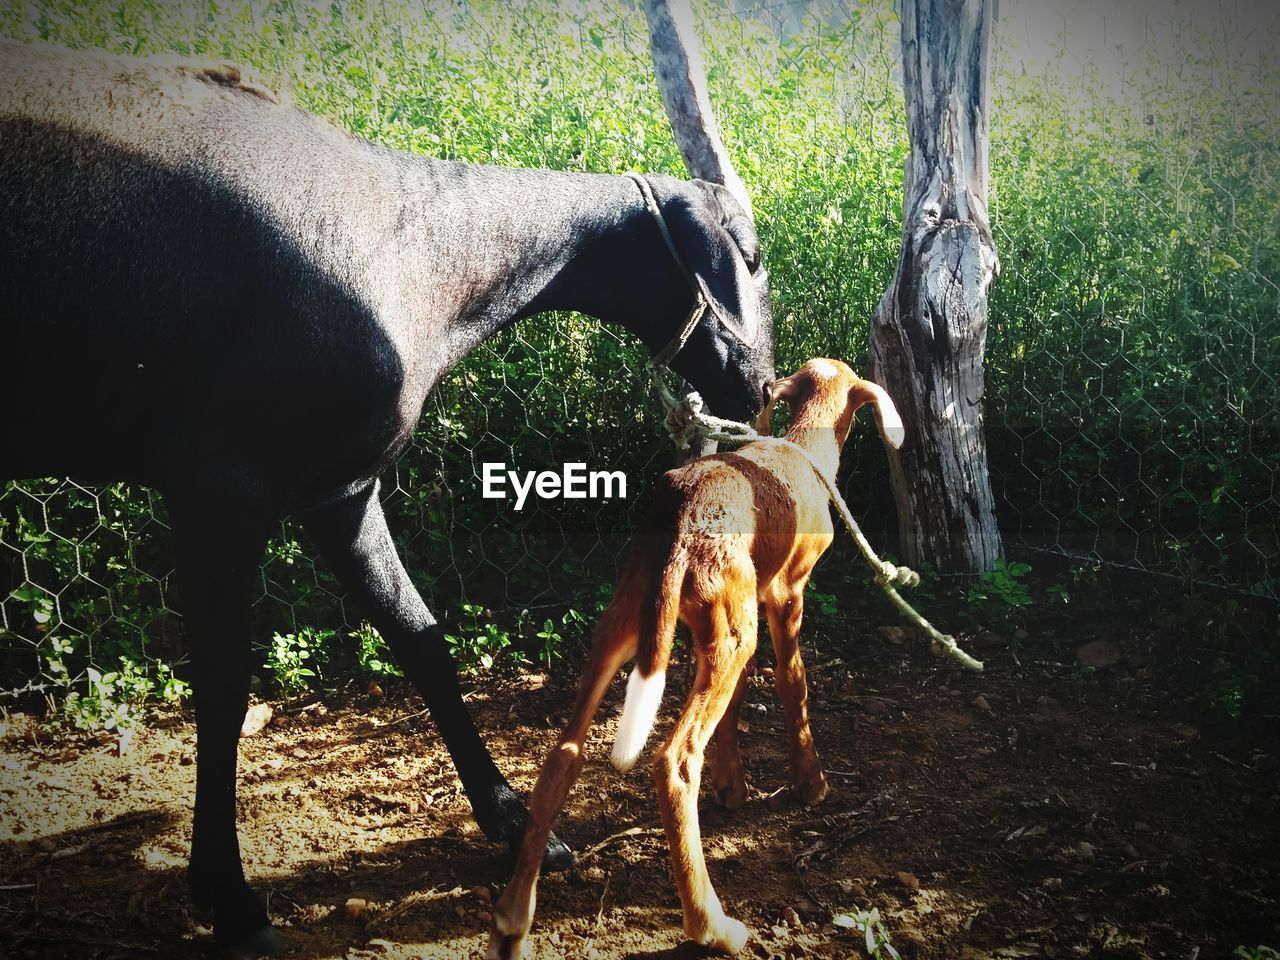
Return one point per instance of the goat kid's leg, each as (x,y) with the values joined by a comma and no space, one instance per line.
(220,540)
(728,779)
(613,646)
(353,538)
(805,768)
(723,644)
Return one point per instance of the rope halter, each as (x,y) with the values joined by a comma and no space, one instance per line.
(662,359)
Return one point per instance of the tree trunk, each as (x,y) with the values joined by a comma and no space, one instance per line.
(682,78)
(929,333)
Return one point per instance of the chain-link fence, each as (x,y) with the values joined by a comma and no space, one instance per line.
(1132,356)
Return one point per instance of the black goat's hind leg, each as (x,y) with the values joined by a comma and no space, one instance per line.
(219,541)
(353,538)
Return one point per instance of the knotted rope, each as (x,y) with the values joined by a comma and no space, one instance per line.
(688,424)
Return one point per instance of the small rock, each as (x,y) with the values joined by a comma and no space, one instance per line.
(851,888)
(1021,634)
(255,719)
(46,845)
(375,689)
(779,932)
(380,946)
(766,671)
(1141,826)
(275,763)
(981,703)
(412,805)
(908,880)
(792,919)
(893,634)
(482,893)
(953,692)
(355,908)
(299,754)
(1086,850)
(1044,700)
(1099,653)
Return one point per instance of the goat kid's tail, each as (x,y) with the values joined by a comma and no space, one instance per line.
(649,675)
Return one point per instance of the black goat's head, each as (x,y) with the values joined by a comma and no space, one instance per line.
(729,357)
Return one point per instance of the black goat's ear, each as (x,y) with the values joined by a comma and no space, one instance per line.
(717,257)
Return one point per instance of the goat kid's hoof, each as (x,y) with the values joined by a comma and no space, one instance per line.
(732,796)
(505,946)
(813,790)
(265,942)
(727,936)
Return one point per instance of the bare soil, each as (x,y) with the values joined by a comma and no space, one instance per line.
(1037,810)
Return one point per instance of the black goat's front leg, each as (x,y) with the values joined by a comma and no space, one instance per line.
(219,540)
(353,538)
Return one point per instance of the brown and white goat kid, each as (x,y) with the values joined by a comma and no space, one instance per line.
(728,534)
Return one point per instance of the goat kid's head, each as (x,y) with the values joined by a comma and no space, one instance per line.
(729,356)
(825,395)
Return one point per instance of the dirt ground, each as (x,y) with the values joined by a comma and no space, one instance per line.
(1038,810)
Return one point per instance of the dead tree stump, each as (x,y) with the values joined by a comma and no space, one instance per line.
(929,333)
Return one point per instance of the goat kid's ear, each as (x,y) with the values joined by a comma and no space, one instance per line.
(715,257)
(892,432)
(787,389)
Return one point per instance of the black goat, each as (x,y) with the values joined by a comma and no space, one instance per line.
(245,307)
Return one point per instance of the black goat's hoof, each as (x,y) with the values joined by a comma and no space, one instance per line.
(558,856)
(264,942)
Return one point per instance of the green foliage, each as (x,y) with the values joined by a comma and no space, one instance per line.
(821,605)
(1228,689)
(549,648)
(999,598)
(294,659)
(480,644)
(116,700)
(868,922)
(372,653)
(1256,953)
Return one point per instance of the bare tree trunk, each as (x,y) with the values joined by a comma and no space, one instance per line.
(682,78)
(929,333)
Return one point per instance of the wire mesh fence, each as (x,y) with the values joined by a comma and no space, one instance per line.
(1132,356)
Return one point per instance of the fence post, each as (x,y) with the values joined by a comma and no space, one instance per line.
(929,332)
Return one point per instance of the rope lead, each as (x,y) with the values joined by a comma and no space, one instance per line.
(686,423)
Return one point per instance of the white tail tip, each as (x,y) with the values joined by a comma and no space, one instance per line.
(644,696)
